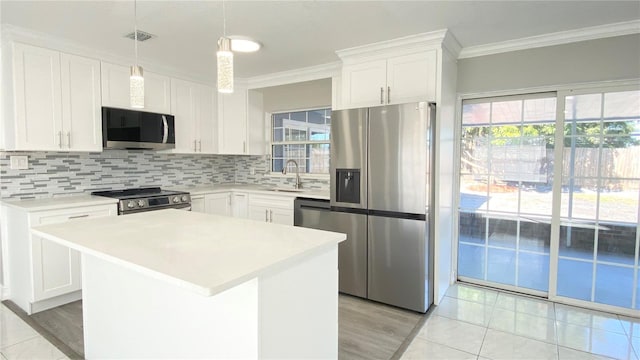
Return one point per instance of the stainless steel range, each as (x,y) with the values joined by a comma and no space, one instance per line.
(147,199)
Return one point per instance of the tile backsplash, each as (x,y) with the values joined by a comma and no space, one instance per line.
(59,174)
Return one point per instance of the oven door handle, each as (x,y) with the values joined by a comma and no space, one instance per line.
(165,135)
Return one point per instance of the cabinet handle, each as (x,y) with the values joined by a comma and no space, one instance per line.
(78,216)
(244,147)
(381,95)
(266,215)
(388,94)
(194,146)
(69,139)
(60,139)
(200,145)
(270,215)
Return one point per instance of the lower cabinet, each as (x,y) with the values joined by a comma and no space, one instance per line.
(273,209)
(218,203)
(43,274)
(197,203)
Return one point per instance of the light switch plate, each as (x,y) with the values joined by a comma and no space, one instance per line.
(19,162)
(252,171)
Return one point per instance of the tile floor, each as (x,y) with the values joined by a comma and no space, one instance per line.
(19,341)
(471,323)
(478,323)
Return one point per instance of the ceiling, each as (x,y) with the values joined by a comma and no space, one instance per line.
(296,34)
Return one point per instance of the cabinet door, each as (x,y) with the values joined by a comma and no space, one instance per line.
(207,122)
(259,213)
(411,78)
(81,110)
(232,109)
(37,98)
(219,204)
(239,205)
(364,84)
(183,105)
(256,137)
(281,216)
(115,89)
(197,203)
(157,93)
(56,268)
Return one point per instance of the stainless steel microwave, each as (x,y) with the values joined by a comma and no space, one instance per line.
(130,129)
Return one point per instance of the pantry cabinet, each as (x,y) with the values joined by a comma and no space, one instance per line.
(56,102)
(115,89)
(391,80)
(194,108)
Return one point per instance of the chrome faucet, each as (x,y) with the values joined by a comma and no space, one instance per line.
(298,184)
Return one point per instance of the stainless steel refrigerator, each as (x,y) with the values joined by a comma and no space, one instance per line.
(381,197)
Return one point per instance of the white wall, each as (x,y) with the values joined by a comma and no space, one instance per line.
(304,95)
(615,58)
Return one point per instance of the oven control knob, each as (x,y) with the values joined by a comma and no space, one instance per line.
(184,198)
(140,203)
(131,204)
(176,199)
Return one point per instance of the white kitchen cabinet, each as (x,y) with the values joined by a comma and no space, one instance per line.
(193,106)
(393,80)
(272,209)
(197,203)
(43,274)
(56,102)
(240,205)
(241,122)
(218,203)
(115,89)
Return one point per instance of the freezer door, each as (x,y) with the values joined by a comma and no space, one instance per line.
(398,168)
(398,263)
(348,165)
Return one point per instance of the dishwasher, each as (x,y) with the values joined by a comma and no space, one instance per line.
(352,253)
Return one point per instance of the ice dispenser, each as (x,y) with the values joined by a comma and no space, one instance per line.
(348,185)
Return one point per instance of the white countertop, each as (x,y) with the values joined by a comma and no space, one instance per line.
(257,189)
(201,252)
(61,202)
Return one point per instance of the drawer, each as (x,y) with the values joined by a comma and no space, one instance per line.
(283,202)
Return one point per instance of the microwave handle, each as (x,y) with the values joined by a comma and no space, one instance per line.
(166,129)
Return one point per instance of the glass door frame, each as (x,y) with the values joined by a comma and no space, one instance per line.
(561,93)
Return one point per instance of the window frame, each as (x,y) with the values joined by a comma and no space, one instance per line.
(271,142)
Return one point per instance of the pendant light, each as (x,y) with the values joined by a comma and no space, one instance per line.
(136,80)
(225,58)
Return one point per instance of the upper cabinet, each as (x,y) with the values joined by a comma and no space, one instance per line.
(392,80)
(115,89)
(196,123)
(241,122)
(56,102)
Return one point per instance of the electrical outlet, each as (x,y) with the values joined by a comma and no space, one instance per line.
(19,162)
(252,171)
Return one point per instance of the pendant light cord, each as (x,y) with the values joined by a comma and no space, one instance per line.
(135,28)
(224,20)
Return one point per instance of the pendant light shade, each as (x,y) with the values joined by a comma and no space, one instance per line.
(225,65)
(136,80)
(136,87)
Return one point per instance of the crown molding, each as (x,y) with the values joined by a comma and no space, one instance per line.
(404,44)
(15,33)
(557,38)
(316,72)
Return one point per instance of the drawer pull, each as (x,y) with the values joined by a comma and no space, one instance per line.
(78,216)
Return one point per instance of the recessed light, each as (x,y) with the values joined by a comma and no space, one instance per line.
(243,44)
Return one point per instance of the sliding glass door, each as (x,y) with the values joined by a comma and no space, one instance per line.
(506,176)
(598,235)
(549,195)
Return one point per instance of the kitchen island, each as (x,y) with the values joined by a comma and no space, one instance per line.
(177,284)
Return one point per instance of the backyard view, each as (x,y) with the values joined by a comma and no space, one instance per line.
(508,167)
